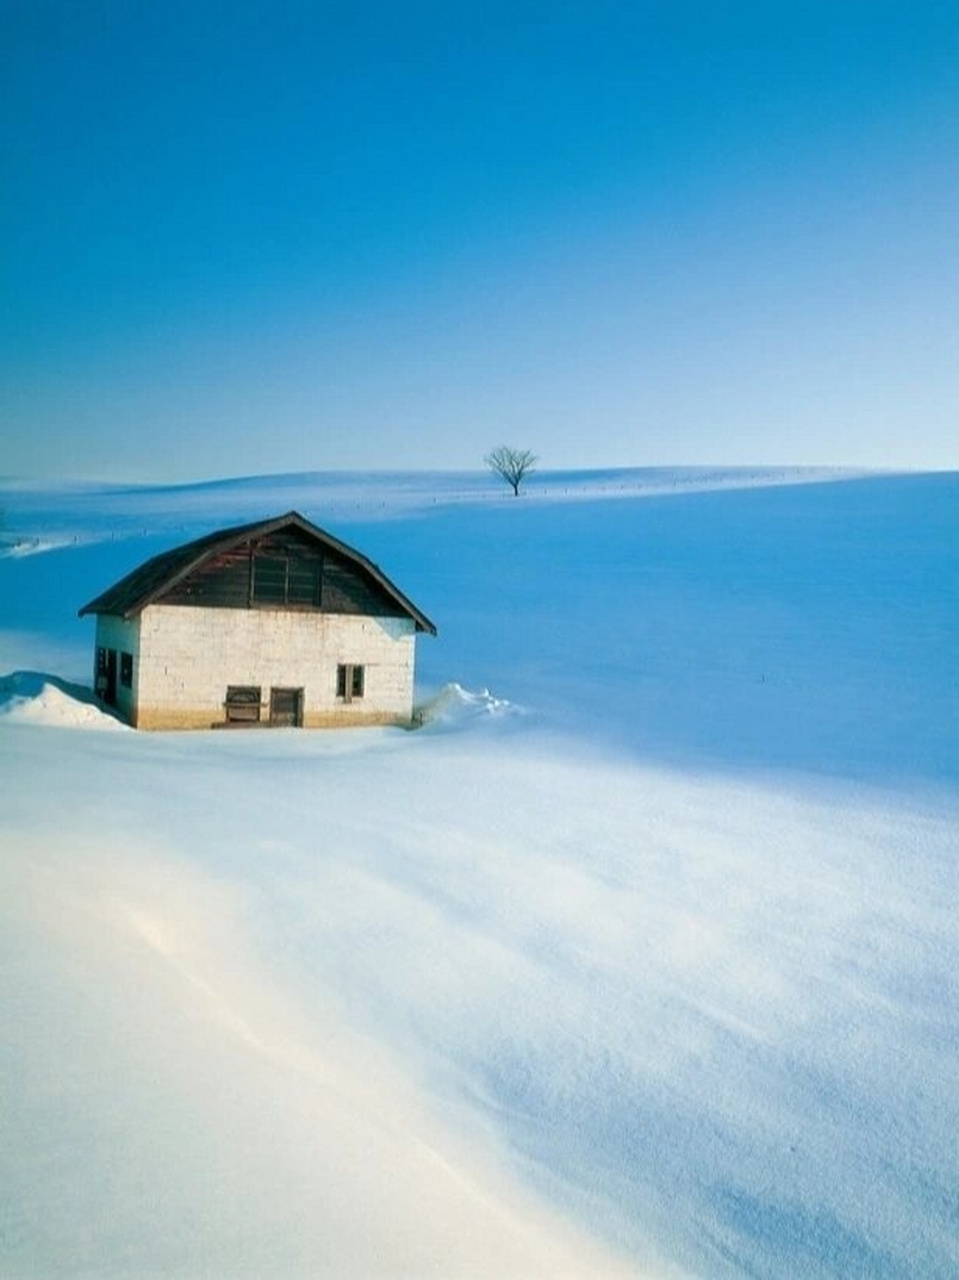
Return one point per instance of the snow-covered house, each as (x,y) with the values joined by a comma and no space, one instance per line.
(274,623)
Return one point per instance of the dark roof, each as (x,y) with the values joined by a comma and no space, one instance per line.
(152,579)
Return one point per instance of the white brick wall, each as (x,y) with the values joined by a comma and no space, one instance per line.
(188,656)
(124,637)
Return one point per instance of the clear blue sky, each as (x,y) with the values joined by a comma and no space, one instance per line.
(245,237)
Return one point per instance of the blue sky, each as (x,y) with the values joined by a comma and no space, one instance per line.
(265,237)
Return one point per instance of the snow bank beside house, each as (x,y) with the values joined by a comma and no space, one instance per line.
(455,707)
(32,697)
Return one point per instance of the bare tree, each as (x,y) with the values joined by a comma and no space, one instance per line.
(513,465)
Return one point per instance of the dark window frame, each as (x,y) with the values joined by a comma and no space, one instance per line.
(350,681)
(126,669)
(302,581)
(105,681)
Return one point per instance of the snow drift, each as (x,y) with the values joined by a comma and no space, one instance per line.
(37,698)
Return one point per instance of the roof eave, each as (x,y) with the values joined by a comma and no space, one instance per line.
(258,530)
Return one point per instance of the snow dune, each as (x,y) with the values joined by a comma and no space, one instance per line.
(639,957)
(178,1113)
(32,696)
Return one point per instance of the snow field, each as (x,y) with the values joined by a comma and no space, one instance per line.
(627,959)
(178,1107)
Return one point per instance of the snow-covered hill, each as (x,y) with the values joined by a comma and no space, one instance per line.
(41,519)
(640,954)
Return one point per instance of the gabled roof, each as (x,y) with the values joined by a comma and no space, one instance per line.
(155,577)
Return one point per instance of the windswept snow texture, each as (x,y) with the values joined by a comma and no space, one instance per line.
(641,955)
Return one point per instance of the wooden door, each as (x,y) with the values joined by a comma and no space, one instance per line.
(286,707)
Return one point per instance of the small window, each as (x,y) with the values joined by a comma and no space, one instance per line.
(106,679)
(242,704)
(350,681)
(269,579)
(304,582)
(126,670)
(282,580)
